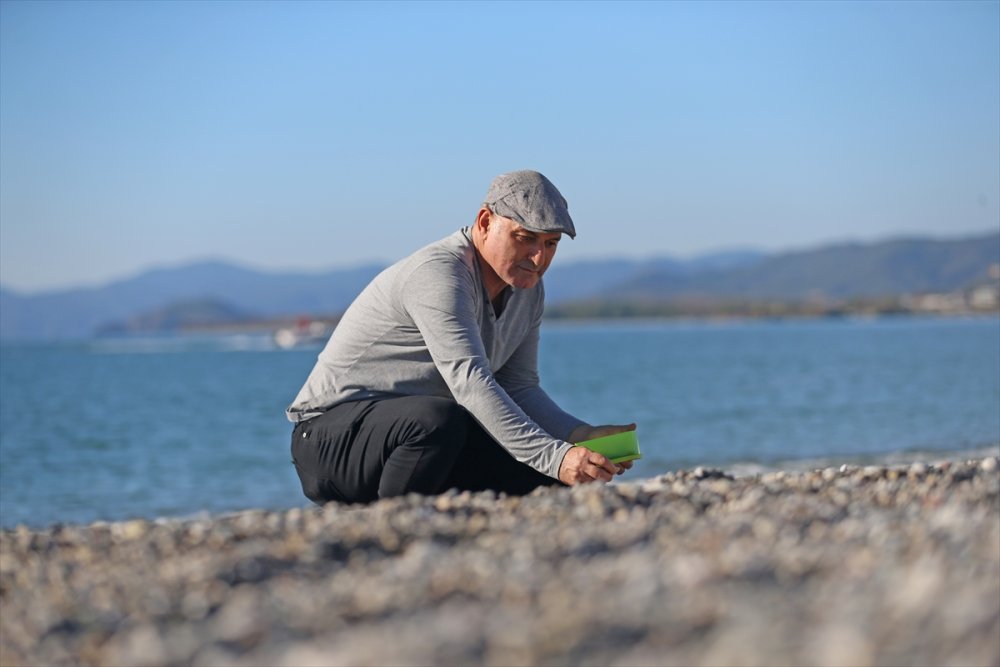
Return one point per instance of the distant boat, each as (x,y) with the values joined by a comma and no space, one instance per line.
(305,333)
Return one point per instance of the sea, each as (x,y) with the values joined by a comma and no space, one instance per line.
(187,426)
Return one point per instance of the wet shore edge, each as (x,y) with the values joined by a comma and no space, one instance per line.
(850,565)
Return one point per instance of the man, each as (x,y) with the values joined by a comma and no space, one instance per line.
(430,381)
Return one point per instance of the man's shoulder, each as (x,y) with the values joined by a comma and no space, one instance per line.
(450,253)
(457,244)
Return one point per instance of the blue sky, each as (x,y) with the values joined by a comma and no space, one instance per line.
(308,136)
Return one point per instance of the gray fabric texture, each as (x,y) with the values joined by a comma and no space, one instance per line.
(425,326)
(531,200)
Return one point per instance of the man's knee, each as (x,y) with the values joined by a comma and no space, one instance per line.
(444,416)
(428,420)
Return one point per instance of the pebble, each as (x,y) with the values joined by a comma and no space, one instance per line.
(130,530)
(844,565)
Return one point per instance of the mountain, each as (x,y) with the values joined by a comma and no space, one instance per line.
(849,270)
(166,297)
(80,313)
(180,315)
(578,280)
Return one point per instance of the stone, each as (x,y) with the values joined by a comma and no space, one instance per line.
(851,564)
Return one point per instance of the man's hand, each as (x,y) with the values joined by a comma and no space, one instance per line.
(580,465)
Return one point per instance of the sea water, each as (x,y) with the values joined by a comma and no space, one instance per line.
(176,426)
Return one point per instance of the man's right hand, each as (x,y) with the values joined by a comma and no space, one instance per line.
(580,466)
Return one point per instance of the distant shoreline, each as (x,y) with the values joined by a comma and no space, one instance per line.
(264,330)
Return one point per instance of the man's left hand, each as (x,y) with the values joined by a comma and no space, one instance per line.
(585,432)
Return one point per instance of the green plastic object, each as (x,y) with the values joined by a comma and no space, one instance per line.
(619,447)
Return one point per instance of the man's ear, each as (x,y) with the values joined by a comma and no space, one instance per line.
(483,220)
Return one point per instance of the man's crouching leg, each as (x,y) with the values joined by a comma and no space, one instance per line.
(424,436)
(364,450)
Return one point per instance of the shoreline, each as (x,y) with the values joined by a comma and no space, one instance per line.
(862,565)
(738,469)
(897,458)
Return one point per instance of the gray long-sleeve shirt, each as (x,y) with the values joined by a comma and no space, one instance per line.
(425,326)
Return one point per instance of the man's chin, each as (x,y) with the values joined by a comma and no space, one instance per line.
(525,281)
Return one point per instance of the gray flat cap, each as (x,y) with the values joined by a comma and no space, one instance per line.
(530,200)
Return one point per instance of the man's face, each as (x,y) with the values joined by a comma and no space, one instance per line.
(519,257)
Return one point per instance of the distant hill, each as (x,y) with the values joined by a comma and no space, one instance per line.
(832,272)
(163,297)
(178,316)
(82,312)
(568,282)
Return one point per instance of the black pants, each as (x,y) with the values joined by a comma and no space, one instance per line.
(365,450)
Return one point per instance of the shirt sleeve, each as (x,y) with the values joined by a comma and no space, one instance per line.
(441,302)
(519,377)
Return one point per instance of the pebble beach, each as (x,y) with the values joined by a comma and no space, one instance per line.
(878,565)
